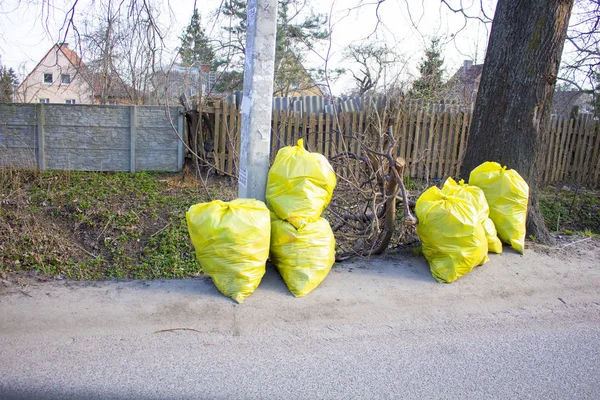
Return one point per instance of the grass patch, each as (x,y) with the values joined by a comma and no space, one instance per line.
(96,225)
(571,210)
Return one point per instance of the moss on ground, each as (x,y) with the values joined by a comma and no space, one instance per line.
(96,225)
(571,210)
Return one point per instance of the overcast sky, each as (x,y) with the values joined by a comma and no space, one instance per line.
(28,31)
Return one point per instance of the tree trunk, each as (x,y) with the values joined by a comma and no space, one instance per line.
(514,103)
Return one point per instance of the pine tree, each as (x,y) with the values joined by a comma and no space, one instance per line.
(295,36)
(8,83)
(195,46)
(429,85)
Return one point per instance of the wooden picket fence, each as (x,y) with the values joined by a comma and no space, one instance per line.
(573,151)
(430,138)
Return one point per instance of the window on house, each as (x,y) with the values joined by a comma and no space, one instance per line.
(70,101)
(212,81)
(65,79)
(44,100)
(112,103)
(48,78)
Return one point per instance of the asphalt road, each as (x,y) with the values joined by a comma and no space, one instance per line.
(518,327)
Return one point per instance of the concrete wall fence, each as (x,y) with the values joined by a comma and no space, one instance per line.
(90,137)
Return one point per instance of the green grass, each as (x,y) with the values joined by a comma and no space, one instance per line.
(571,211)
(94,225)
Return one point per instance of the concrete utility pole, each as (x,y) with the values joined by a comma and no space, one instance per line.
(257,102)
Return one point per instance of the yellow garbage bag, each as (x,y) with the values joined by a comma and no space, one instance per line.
(299,185)
(461,189)
(453,238)
(232,243)
(507,194)
(303,256)
(491,234)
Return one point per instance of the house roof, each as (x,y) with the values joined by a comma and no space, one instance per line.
(464,83)
(567,96)
(71,56)
(565,100)
(470,76)
(116,88)
(291,57)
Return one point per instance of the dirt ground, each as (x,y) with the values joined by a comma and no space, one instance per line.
(405,265)
(518,325)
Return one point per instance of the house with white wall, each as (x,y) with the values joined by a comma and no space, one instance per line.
(60,77)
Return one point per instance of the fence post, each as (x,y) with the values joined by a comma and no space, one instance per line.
(180,142)
(132,134)
(41,152)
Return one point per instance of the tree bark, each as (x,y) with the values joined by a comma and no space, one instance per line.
(514,102)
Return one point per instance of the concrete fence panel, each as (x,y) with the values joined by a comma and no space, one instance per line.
(90,137)
(18,135)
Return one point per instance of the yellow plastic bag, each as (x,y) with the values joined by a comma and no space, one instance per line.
(303,256)
(232,243)
(491,234)
(507,194)
(299,185)
(475,194)
(453,238)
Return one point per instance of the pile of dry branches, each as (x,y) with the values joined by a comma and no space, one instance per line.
(363,211)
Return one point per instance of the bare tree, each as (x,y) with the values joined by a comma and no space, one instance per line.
(373,61)
(298,31)
(122,54)
(581,61)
